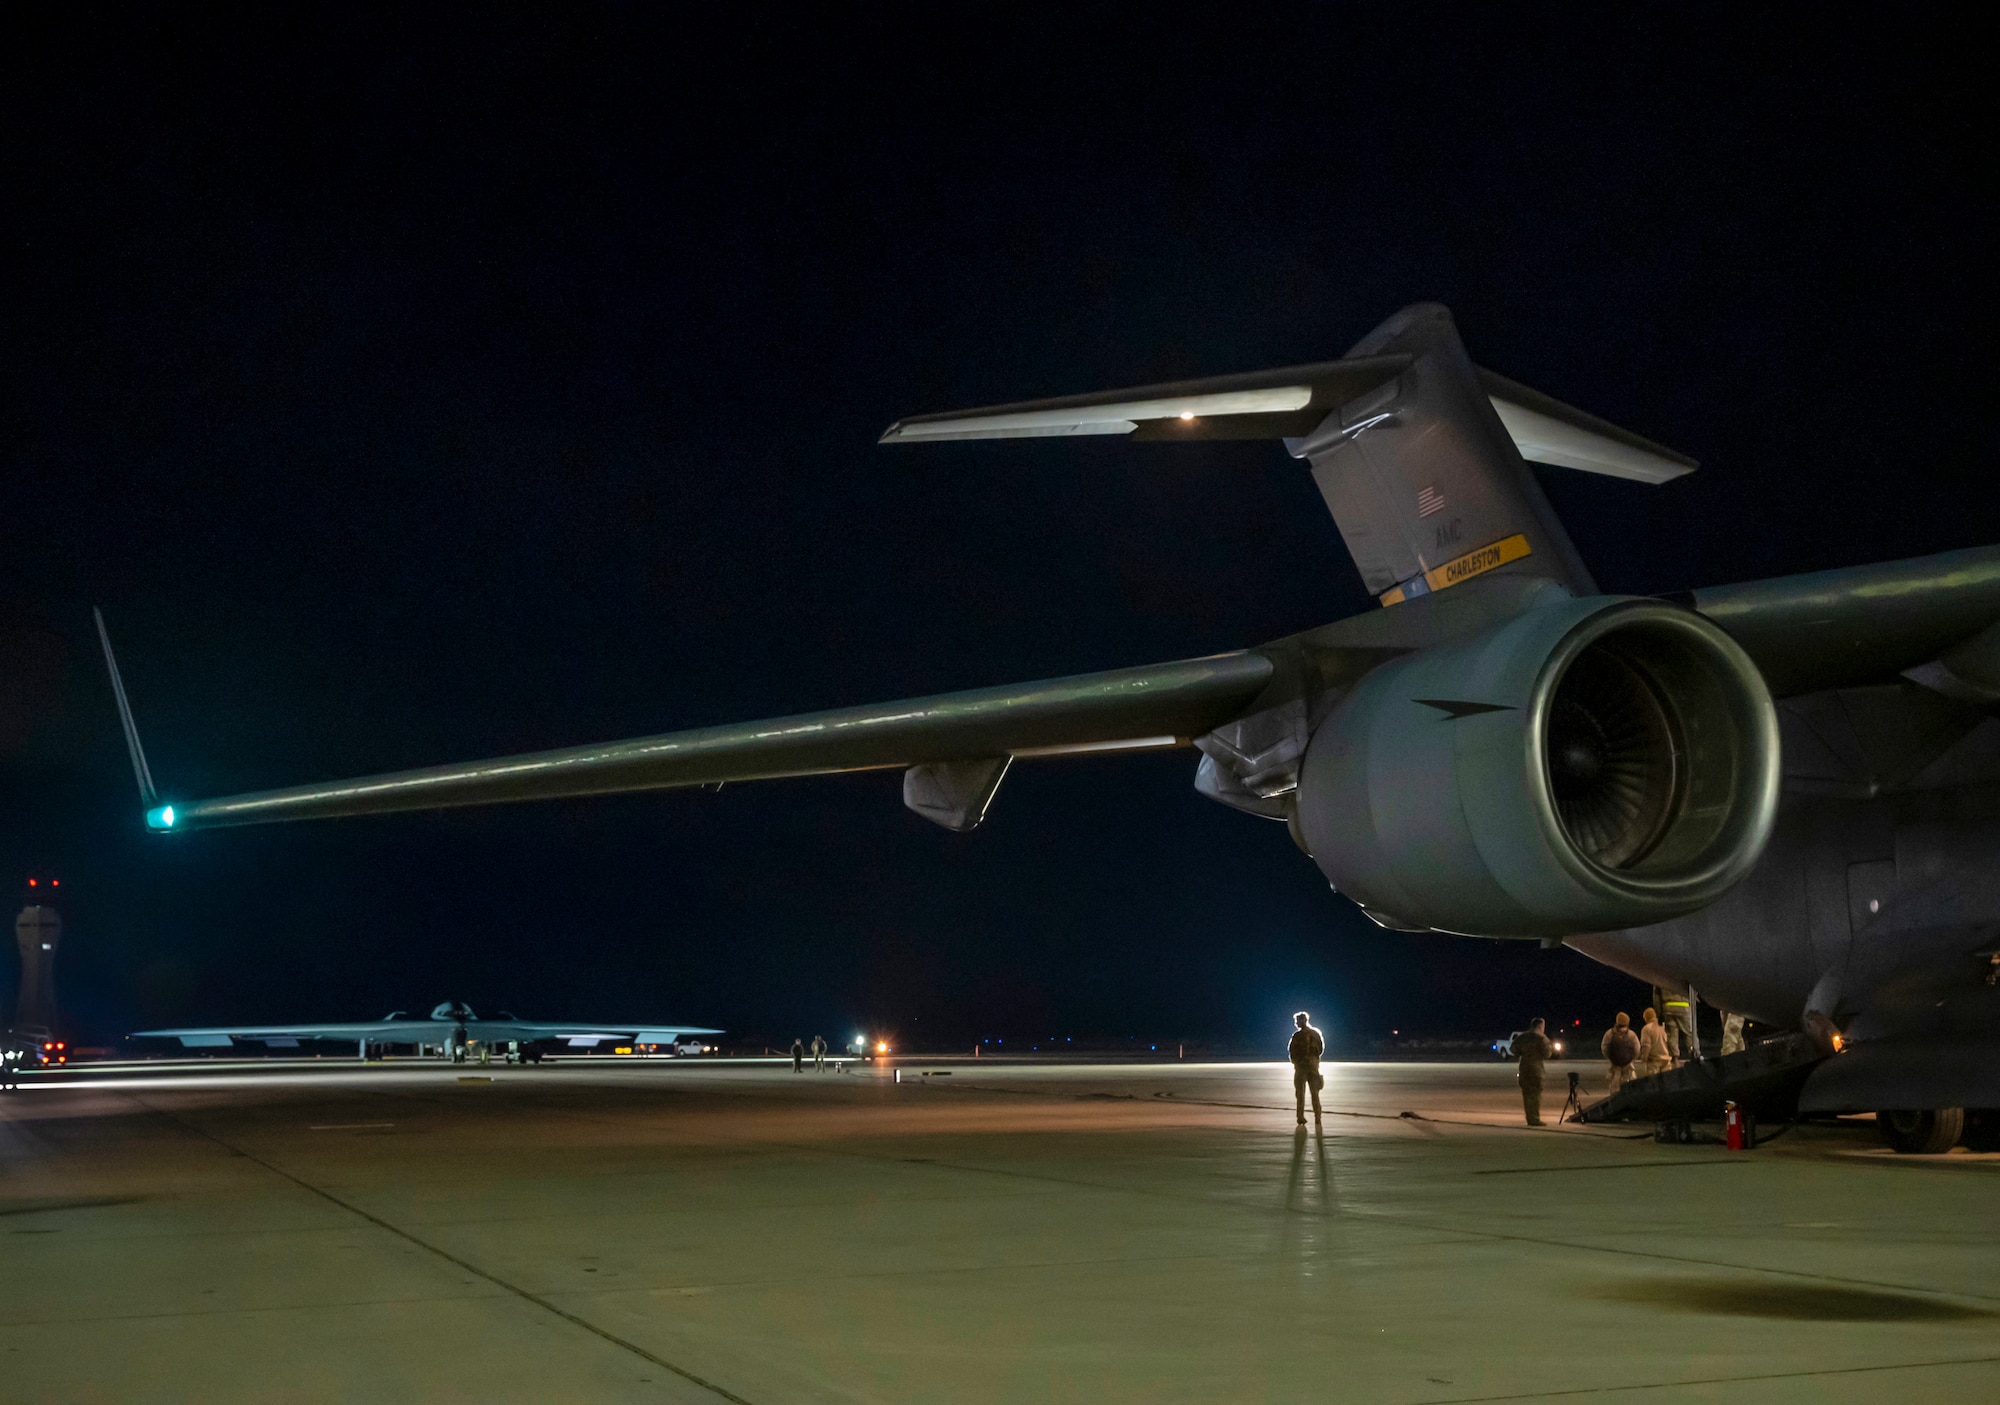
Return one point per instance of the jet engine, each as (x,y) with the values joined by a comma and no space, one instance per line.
(1600,763)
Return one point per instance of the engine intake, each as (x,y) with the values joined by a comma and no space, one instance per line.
(1594,764)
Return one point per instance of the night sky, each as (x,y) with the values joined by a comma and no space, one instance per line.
(436,382)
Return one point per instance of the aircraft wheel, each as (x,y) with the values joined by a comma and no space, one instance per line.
(1923,1133)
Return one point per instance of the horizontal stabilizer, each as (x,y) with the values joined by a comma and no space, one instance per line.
(1290,403)
(1548,431)
(1256,405)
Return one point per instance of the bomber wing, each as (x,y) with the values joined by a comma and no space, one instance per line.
(955,747)
(526,1030)
(375,1031)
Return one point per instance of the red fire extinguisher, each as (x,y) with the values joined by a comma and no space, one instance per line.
(1732,1122)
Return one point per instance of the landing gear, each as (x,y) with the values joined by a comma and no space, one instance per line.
(1926,1133)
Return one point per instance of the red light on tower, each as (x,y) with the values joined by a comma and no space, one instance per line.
(31,882)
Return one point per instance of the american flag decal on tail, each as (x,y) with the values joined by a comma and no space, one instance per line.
(1429,500)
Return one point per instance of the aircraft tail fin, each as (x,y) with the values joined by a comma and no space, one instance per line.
(1426,485)
(1418,453)
(140,771)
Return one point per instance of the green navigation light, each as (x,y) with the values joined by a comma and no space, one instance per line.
(162,818)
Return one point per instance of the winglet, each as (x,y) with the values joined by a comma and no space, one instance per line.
(157,816)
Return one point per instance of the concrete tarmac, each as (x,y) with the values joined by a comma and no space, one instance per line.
(664,1231)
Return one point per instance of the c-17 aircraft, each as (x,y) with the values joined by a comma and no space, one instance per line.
(452,1029)
(1784,794)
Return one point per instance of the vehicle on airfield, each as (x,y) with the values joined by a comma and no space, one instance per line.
(27,1050)
(1504,1048)
(32,1046)
(1784,794)
(452,1030)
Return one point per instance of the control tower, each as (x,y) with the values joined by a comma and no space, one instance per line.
(39,931)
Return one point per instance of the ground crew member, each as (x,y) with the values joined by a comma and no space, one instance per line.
(798,1057)
(1532,1048)
(1621,1050)
(1307,1045)
(819,1054)
(1732,1033)
(1653,1055)
(1677,1015)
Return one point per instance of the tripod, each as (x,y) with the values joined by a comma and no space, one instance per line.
(1575,1103)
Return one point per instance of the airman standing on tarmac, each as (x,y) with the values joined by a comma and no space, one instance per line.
(819,1054)
(1532,1048)
(1307,1045)
(798,1057)
(1621,1049)
(1732,1033)
(1653,1055)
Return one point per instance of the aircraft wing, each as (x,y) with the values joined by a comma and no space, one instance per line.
(622,1033)
(1863,624)
(375,1031)
(959,743)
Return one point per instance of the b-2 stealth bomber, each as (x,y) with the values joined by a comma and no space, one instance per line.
(452,1029)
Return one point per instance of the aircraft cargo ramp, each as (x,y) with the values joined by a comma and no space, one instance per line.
(1764,1080)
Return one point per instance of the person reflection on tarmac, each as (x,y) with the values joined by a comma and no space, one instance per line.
(1307,1045)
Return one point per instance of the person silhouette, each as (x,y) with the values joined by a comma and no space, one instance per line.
(1532,1048)
(1305,1050)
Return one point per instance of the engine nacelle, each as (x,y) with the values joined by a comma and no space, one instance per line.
(1600,763)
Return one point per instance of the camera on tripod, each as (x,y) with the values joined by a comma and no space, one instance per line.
(1573,1108)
